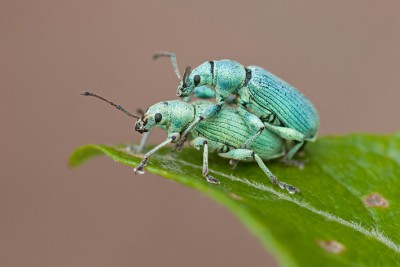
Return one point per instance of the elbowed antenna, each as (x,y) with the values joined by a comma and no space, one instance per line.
(86,93)
(188,70)
(172,57)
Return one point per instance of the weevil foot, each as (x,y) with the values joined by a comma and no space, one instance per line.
(233,163)
(212,180)
(179,145)
(139,169)
(295,163)
(291,189)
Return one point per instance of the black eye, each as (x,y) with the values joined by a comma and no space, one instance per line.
(196,79)
(158,117)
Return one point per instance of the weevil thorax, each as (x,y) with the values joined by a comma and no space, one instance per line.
(230,76)
(173,115)
(201,75)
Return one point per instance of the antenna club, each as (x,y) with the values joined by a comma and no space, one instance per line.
(163,54)
(84,93)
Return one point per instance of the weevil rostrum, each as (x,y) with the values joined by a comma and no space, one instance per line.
(264,101)
(223,133)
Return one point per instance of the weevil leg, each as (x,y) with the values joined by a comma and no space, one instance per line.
(287,159)
(289,134)
(171,138)
(208,177)
(253,122)
(241,154)
(197,143)
(143,142)
(286,133)
(212,110)
(204,92)
(233,163)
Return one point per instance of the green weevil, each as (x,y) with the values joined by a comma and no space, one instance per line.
(223,133)
(263,100)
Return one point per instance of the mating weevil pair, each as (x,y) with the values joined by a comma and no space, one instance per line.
(264,100)
(223,133)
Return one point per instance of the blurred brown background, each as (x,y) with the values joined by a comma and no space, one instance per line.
(344,55)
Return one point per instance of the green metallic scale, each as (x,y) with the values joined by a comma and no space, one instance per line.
(223,133)
(264,100)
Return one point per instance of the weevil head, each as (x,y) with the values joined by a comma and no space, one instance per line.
(201,75)
(154,115)
(171,115)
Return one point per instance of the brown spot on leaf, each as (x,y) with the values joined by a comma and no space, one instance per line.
(375,200)
(234,196)
(331,246)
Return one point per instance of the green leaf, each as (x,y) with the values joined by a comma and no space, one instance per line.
(348,213)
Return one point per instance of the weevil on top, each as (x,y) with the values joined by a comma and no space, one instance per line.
(223,133)
(264,101)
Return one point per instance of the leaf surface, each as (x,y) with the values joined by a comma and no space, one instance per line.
(347,214)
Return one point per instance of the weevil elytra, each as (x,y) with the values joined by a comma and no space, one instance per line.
(223,133)
(264,100)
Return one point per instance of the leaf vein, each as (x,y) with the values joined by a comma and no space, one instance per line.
(373,233)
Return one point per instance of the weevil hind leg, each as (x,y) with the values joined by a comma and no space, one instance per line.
(286,133)
(292,135)
(287,159)
(242,154)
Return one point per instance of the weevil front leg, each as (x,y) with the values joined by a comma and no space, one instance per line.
(289,134)
(242,154)
(197,143)
(143,142)
(171,138)
(212,110)
(202,92)
(138,149)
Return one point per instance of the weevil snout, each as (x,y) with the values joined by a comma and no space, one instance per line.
(181,92)
(140,125)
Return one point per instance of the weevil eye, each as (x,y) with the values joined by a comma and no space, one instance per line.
(158,117)
(196,79)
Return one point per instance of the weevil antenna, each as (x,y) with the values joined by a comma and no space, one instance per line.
(188,70)
(172,57)
(140,112)
(86,93)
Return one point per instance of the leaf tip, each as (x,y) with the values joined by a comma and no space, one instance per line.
(82,154)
